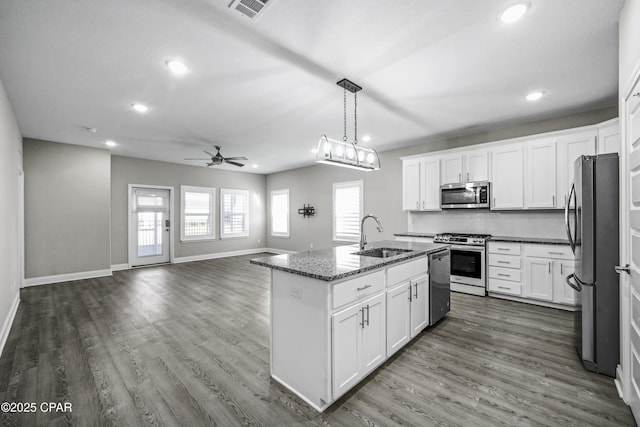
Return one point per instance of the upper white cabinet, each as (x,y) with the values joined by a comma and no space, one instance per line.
(470,166)
(421,183)
(540,179)
(609,137)
(507,182)
(570,147)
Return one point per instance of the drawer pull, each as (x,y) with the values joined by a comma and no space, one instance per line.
(504,262)
(504,287)
(504,275)
(555,253)
(503,249)
(363,288)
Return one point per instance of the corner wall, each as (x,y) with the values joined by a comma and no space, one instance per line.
(10,165)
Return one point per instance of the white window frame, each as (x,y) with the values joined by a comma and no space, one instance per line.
(286,233)
(360,185)
(212,212)
(243,233)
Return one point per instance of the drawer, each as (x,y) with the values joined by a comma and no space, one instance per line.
(505,274)
(402,272)
(505,287)
(549,251)
(354,289)
(504,248)
(505,261)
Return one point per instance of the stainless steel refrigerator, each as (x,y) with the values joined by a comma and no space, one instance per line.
(591,218)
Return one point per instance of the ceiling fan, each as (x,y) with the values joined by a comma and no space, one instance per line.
(218,159)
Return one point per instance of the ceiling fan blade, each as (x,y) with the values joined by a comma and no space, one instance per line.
(210,164)
(190,158)
(234,163)
(236,158)
(212,155)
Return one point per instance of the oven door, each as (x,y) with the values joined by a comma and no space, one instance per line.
(467,265)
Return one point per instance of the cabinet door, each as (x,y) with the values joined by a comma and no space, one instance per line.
(507,177)
(419,304)
(570,147)
(430,183)
(451,169)
(563,293)
(347,331)
(374,342)
(398,318)
(540,182)
(609,138)
(538,282)
(477,166)
(411,184)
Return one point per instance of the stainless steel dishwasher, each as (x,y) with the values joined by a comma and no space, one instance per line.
(439,285)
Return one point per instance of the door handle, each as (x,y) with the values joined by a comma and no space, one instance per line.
(416,294)
(575,286)
(566,219)
(367,314)
(625,269)
(167,223)
(362,312)
(410,294)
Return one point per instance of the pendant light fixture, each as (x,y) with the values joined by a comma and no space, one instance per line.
(344,153)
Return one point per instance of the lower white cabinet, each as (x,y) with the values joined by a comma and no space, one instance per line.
(407,312)
(538,283)
(563,293)
(358,342)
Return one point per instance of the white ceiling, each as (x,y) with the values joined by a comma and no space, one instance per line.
(266,89)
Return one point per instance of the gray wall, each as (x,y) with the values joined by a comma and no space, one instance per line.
(128,170)
(10,164)
(383,188)
(67,190)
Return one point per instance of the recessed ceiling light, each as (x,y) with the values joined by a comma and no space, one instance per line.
(314,150)
(110,143)
(366,138)
(177,67)
(254,166)
(534,96)
(140,108)
(513,13)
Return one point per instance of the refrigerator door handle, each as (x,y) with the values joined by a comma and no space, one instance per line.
(575,286)
(566,219)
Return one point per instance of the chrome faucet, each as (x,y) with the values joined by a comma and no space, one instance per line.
(363,238)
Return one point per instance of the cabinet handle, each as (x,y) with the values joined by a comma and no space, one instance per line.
(363,288)
(460,177)
(555,253)
(467,176)
(362,312)
(549,268)
(503,249)
(417,204)
(367,314)
(503,275)
(494,201)
(561,272)
(504,262)
(553,200)
(416,295)
(423,204)
(503,287)
(410,294)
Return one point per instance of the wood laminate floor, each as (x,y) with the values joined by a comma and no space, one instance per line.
(188,344)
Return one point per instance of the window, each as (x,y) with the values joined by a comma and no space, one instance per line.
(197,213)
(347,209)
(234,212)
(280,213)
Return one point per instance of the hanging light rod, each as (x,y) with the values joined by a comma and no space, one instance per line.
(343,153)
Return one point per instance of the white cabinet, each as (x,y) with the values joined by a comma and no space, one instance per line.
(470,166)
(609,137)
(505,268)
(358,342)
(421,183)
(411,184)
(507,177)
(538,280)
(563,293)
(570,147)
(407,311)
(540,180)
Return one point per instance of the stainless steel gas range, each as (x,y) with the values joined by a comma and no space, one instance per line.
(467,261)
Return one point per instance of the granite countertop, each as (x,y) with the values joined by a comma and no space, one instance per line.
(541,240)
(340,262)
(415,234)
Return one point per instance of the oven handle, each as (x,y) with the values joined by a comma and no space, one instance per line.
(468,248)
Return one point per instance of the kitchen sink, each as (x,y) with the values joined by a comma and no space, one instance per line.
(382,252)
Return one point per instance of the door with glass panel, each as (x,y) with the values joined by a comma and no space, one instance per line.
(149,226)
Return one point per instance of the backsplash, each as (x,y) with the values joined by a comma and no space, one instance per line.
(549,224)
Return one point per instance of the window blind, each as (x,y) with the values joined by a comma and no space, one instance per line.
(235,213)
(197,213)
(347,209)
(280,213)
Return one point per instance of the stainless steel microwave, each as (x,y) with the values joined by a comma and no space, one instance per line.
(470,195)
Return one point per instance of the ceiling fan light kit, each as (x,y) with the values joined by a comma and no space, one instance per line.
(343,153)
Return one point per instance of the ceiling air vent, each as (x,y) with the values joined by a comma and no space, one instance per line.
(251,8)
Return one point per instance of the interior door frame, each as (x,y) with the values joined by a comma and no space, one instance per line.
(623,371)
(131,230)
(20,248)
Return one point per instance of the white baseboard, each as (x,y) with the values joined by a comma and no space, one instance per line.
(45,280)
(204,257)
(118,267)
(278,251)
(8,321)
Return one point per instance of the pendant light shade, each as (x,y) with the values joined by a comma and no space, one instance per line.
(343,153)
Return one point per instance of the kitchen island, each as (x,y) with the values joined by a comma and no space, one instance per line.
(337,313)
